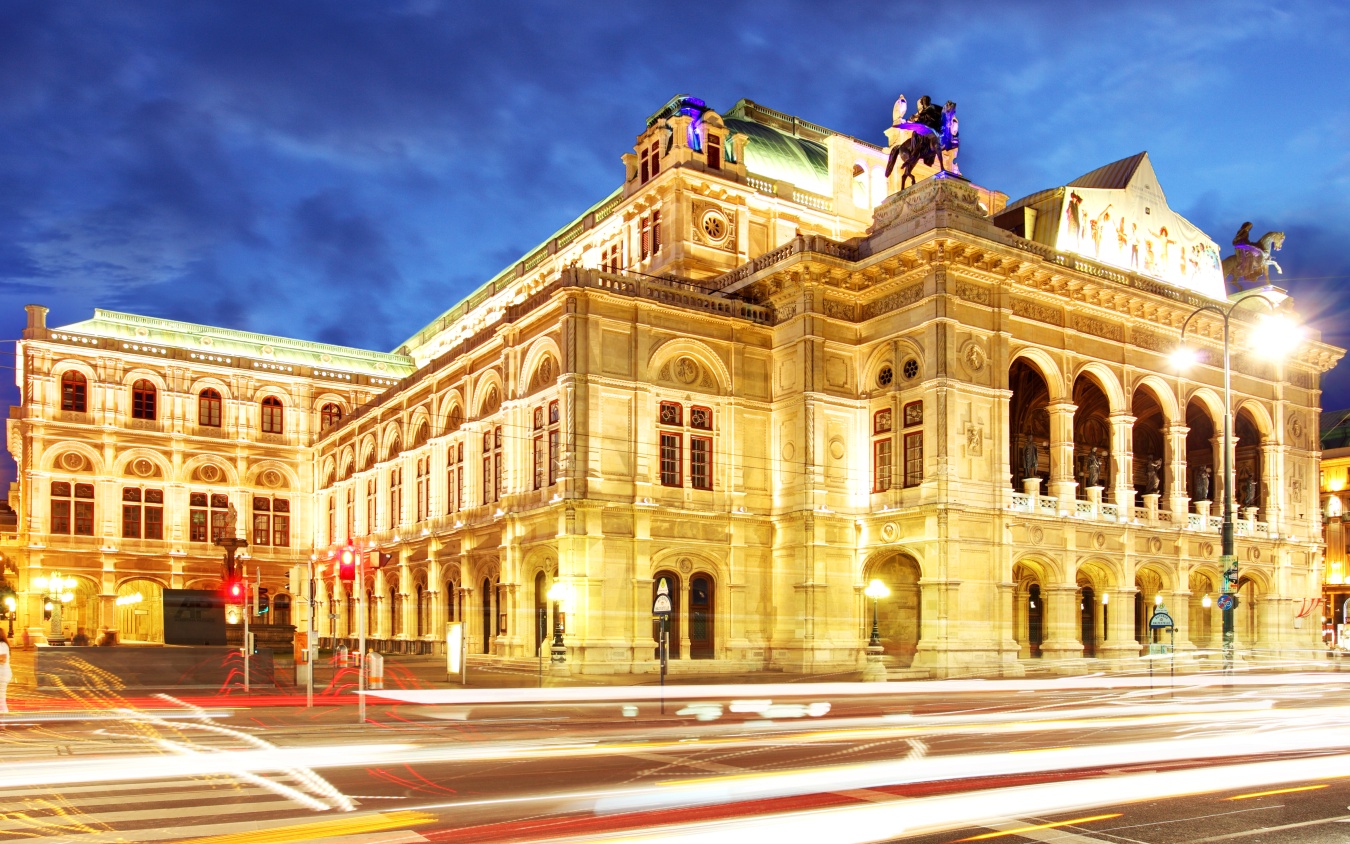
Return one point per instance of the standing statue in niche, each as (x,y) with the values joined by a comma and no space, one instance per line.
(1094,468)
(1247,488)
(1152,482)
(1030,457)
(1202,483)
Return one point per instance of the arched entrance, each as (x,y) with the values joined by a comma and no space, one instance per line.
(540,611)
(900,613)
(1028,610)
(1029,425)
(486,597)
(1148,445)
(1087,606)
(673,625)
(1202,610)
(140,611)
(701,614)
(1091,436)
(1200,442)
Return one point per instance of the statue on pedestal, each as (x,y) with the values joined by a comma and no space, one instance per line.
(1251,262)
(1202,483)
(230,527)
(1093,472)
(1247,488)
(1152,482)
(933,131)
(1030,457)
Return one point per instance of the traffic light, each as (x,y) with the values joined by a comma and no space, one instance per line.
(262,605)
(234,590)
(347,564)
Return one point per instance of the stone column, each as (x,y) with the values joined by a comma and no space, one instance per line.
(1062,483)
(1121,466)
(1061,625)
(1119,642)
(1273,467)
(1175,489)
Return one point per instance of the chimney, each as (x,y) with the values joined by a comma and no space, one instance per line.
(37,322)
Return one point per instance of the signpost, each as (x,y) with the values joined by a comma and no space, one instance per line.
(1162,620)
(661,610)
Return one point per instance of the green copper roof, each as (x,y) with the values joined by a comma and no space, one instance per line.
(780,156)
(206,339)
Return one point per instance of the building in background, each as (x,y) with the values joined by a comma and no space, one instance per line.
(761,373)
(1334,484)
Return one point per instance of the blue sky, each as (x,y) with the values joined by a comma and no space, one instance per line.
(345,171)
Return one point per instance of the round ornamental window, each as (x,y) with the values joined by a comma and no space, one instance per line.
(714,225)
(910,369)
(885,376)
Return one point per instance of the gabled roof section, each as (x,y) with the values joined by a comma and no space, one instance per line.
(227,341)
(1116,175)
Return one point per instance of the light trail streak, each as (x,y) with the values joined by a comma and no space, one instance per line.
(1256,794)
(322,830)
(1024,829)
(869,822)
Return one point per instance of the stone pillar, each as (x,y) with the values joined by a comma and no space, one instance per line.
(1062,483)
(1032,488)
(1121,465)
(1061,625)
(1179,607)
(1094,497)
(1151,507)
(1119,642)
(1174,462)
(1219,484)
(1273,468)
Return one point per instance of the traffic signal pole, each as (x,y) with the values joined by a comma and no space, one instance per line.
(361,640)
(248,610)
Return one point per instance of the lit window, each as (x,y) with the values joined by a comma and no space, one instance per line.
(73,391)
(670,459)
(914,459)
(142,513)
(207,512)
(72,508)
(272,521)
(271,415)
(881,464)
(329,415)
(142,400)
(700,462)
(208,409)
(395,497)
(714,152)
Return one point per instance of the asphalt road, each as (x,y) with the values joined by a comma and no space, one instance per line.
(923,762)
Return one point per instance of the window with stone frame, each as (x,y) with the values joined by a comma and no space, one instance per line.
(329,415)
(207,512)
(208,408)
(272,421)
(649,162)
(554,441)
(883,449)
(423,490)
(395,496)
(74,392)
(332,517)
(700,462)
(142,513)
(611,257)
(492,465)
(72,508)
(454,477)
(913,458)
(351,509)
(671,436)
(272,521)
(371,501)
(713,152)
(649,228)
(143,396)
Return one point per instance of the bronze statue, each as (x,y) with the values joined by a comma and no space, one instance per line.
(1247,486)
(1094,468)
(1030,458)
(1202,483)
(932,129)
(1152,482)
(1251,262)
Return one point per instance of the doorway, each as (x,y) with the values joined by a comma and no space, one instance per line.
(701,617)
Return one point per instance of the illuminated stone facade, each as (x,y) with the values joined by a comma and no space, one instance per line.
(756,371)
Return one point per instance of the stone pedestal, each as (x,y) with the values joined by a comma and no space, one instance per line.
(1094,497)
(1249,513)
(1202,508)
(1151,507)
(1032,488)
(875,670)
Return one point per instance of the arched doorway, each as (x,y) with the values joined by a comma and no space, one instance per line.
(1091,436)
(672,580)
(140,611)
(900,613)
(540,611)
(1202,610)
(486,594)
(1087,606)
(1029,425)
(701,600)
(281,609)
(1028,610)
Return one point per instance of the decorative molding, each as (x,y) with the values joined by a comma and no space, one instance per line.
(1151,340)
(894,301)
(973,293)
(1028,309)
(1097,327)
(837,309)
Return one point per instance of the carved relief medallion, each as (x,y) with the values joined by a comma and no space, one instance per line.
(686,371)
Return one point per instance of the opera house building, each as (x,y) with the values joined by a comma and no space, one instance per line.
(759,371)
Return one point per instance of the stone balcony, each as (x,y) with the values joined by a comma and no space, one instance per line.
(1094,510)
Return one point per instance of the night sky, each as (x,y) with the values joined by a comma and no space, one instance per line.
(344,171)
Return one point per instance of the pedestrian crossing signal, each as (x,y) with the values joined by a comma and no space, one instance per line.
(347,564)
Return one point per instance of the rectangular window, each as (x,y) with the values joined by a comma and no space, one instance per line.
(395,497)
(206,516)
(540,455)
(913,414)
(671,413)
(487,468)
(370,505)
(650,161)
(131,513)
(553,440)
(421,490)
(914,459)
(881,422)
(459,476)
(351,510)
(700,418)
(645,242)
(154,514)
(497,465)
(262,521)
(332,519)
(714,152)
(60,507)
(84,510)
(881,465)
(281,523)
(700,462)
(670,459)
(656,232)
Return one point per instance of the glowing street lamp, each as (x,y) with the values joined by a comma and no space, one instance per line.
(876,590)
(557,593)
(1274,335)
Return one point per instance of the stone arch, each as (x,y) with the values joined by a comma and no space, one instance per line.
(1210,401)
(391,440)
(61,367)
(1107,381)
(190,467)
(1032,575)
(419,427)
(59,449)
(900,614)
(544,348)
(327,472)
(1163,394)
(450,412)
(367,451)
(1259,414)
(696,628)
(273,391)
(1046,367)
(701,352)
(137,373)
(346,462)
(122,465)
(1094,577)
(211,382)
(489,385)
(142,621)
(289,479)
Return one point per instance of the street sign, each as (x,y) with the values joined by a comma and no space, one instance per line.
(1227,602)
(1160,620)
(661,606)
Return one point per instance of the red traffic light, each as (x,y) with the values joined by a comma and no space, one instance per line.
(234,590)
(347,564)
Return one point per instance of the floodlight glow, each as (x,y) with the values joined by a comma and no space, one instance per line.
(1184,357)
(1275,336)
(876,589)
(1205,601)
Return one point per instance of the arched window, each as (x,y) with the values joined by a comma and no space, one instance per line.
(271,415)
(329,415)
(208,409)
(73,392)
(143,400)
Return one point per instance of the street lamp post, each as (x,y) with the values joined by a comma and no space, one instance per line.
(1278,338)
(876,590)
(558,652)
(57,593)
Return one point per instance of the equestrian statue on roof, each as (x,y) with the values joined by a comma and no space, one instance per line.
(934,134)
(1251,262)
